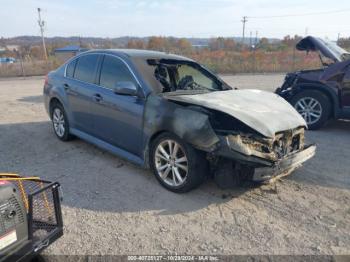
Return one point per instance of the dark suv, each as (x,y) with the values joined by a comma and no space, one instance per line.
(324,93)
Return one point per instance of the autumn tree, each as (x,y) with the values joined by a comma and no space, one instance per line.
(291,41)
(221,43)
(216,43)
(263,43)
(229,44)
(183,45)
(135,44)
(158,43)
(36,52)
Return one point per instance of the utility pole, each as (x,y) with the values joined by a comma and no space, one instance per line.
(41,25)
(250,40)
(244,21)
(80,42)
(255,46)
(338,38)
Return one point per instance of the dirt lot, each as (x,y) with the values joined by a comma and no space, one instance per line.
(113,207)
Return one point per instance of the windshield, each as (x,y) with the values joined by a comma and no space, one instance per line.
(184,75)
(340,53)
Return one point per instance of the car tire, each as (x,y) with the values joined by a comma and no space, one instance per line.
(175,173)
(317,107)
(60,122)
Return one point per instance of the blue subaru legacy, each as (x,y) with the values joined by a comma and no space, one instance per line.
(171,114)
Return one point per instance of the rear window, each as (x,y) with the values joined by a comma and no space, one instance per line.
(85,68)
(70,68)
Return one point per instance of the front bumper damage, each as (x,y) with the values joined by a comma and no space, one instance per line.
(284,166)
(264,160)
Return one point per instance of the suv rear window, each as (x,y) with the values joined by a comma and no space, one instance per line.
(86,68)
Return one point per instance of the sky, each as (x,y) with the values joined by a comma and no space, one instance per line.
(179,18)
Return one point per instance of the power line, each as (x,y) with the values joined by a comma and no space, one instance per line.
(305,14)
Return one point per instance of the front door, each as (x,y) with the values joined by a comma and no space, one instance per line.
(118,119)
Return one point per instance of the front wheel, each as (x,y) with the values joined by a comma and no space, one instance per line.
(177,165)
(313,106)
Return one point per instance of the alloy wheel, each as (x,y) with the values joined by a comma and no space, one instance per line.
(171,162)
(58,122)
(310,109)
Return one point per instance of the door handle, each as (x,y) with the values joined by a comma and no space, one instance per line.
(66,86)
(97,97)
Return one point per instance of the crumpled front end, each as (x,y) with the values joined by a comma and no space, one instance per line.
(254,135)
(267,157)
(286,165)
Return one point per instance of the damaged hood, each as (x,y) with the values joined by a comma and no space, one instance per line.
(265,112)
(325,47)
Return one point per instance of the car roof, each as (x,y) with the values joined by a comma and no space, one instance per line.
(138,53)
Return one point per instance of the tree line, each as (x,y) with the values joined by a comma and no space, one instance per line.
(222,55)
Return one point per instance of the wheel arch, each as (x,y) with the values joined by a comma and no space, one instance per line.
(332,97)
(52,101)
(149,142)
(190,125)
(57,99)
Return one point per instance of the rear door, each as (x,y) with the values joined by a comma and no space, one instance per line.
(118,119)
(81,75)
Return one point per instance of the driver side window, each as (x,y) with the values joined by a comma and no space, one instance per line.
(113,70)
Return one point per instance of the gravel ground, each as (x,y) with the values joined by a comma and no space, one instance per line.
(113,207)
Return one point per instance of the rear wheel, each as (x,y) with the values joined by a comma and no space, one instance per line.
(313,106)
(177,165)
(60,122)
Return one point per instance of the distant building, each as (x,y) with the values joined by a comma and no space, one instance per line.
(200,46)
(13,48)
(68,51)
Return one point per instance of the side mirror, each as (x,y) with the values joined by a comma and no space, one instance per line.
(125,88)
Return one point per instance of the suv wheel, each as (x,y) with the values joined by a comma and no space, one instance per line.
(60,122)
(177,165)
(313,106)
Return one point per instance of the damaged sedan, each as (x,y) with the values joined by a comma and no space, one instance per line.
(171,114)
